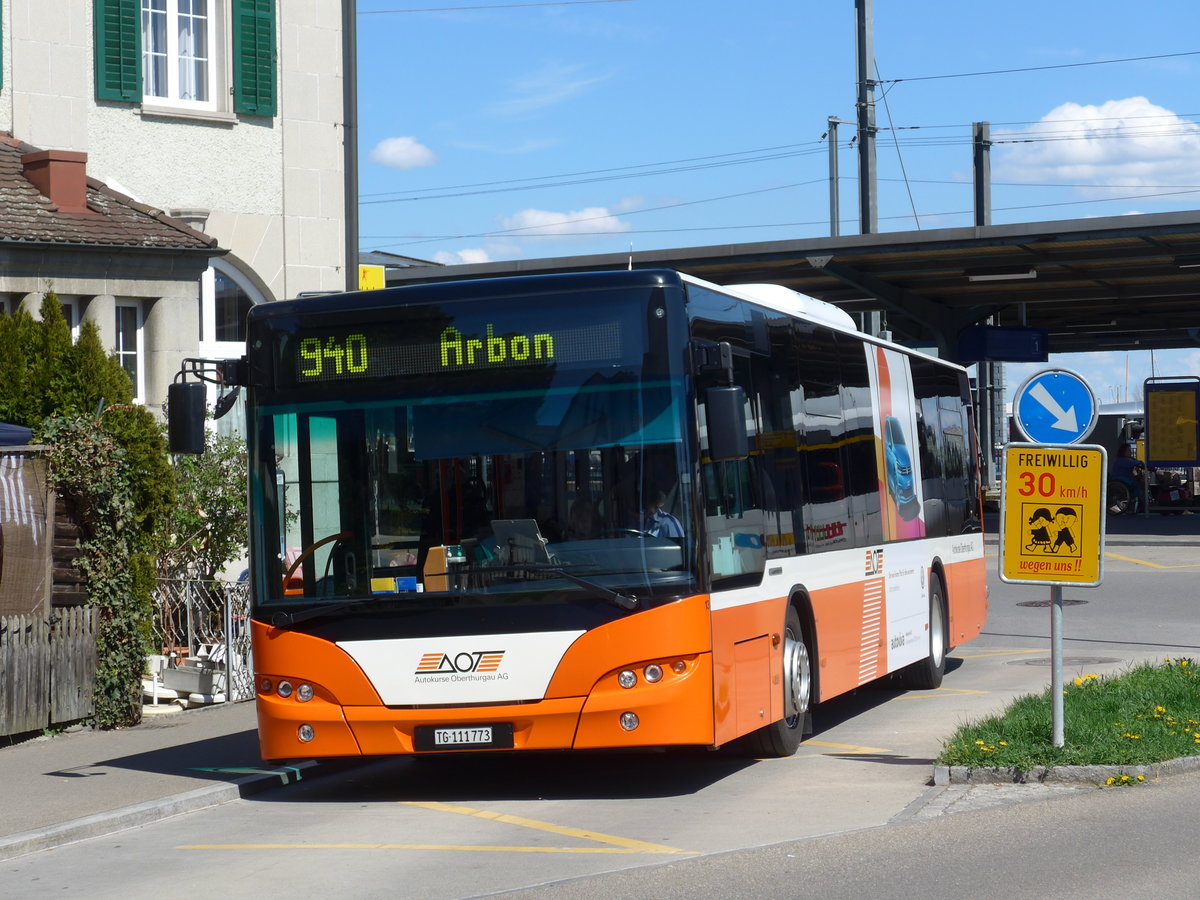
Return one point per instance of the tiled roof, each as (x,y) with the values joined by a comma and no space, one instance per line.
(27,217)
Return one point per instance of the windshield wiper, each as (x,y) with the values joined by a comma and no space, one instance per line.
(616,598)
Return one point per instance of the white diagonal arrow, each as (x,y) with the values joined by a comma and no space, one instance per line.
(1064,420)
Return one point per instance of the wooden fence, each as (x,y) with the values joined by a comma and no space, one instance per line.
(47,669)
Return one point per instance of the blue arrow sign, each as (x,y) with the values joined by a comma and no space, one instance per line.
(1055,407)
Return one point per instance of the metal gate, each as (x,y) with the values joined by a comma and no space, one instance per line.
(202,629)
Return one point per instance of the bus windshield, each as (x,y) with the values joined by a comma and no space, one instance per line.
(567,477)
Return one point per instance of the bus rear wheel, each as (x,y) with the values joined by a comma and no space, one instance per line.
(926,674)
(783,738)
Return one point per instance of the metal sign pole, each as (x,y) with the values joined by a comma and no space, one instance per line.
(1056,662)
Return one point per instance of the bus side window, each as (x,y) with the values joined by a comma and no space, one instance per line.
(862,481)
(931,448)
(820,438)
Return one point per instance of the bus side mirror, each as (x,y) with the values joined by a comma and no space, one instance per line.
(725,413)
(185,417)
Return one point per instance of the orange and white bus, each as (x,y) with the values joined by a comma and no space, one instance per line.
(604,510)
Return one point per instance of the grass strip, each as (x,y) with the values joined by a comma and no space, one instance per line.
(1149,714)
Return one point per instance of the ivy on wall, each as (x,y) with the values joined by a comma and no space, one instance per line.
(110,458)
(91,467)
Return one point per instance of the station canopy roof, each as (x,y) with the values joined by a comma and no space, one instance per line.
(1116,283)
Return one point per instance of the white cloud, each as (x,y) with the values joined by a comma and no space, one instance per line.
(1115,145)
(461,257)
(402,153)
(582,221)
(554,83)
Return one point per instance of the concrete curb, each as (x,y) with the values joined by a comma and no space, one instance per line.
(944,775)
(52,836)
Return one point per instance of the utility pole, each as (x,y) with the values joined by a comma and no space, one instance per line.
(835,200)
(350,136)
(989,376)
(981,157)
(868,214)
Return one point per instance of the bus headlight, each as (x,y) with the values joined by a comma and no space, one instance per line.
(626,679)
(653,673)
(305,733)
(265,685)
(629,721)
(285,689)
(304,693)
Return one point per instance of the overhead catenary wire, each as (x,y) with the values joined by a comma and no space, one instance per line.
(1158,126)
(1095,62)
(412,239)
(766,155)
(899,156)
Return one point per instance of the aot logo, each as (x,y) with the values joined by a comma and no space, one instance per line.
(874,562)
(477,661)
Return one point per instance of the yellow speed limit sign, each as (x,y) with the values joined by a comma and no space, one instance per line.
(1052,514)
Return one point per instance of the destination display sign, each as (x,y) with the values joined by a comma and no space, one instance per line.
(344,353)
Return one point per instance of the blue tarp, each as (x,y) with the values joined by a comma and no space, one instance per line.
(14,435)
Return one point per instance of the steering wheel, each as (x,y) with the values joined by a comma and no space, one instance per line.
(311,549)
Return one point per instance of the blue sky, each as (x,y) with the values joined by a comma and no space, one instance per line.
(520,130)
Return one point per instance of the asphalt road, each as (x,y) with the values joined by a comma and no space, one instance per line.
(853,812)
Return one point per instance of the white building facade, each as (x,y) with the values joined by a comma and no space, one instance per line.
(226,114)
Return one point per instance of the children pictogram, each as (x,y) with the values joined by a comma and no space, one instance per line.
(1051,529)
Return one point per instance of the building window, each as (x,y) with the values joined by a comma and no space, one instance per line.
(70,311)
(226,296)
(177,65)
(129,344)
(232,304)
(176,53)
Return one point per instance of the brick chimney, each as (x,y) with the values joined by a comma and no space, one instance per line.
(61,175)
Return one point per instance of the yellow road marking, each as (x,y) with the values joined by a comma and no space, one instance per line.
(614,844)
(939,692)
(982,654)
(628,844)
(845,748)
(1142,562)
(475,847)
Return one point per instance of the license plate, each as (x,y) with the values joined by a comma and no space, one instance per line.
(463,737)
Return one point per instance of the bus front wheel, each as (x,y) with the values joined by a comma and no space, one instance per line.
(783,738)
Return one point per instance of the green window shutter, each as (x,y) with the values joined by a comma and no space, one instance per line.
(118,34)
(254,73)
